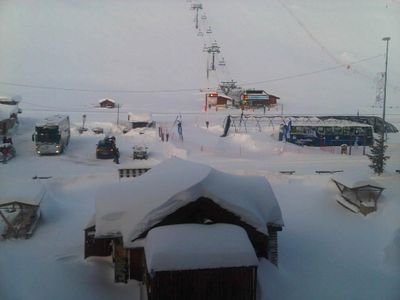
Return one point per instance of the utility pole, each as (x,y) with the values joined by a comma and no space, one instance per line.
(386,39)
(117,114)
(197,7)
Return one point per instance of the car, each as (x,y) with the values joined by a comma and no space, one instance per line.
(106,148)
(7,151)
(140,152)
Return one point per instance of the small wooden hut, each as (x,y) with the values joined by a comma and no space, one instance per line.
(107,103)
(217,100)
(20,209)
(358,194)
(140,120)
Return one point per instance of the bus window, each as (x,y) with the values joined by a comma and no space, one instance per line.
(346,131)
(328,130)
(320,130)
(337,130)
(360,131)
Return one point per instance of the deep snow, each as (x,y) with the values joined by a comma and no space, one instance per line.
(150,51)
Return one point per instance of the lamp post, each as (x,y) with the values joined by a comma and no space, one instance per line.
(386,39)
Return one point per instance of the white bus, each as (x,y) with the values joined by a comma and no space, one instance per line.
(52,134)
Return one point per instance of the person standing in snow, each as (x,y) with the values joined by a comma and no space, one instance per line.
(116,156)
(180,130)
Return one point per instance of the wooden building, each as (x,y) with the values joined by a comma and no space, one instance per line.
(257,98)
(201,197)
(200,262)
(358,195)
(20,208)
(8,117)
(217,100)
(107,103)
(142,120)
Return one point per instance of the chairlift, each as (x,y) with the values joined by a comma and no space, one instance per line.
(200,33)
(205,48)
(203,17)
(214,44)
(222,62)
(209,30)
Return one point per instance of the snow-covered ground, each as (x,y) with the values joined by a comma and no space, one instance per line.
(63,56)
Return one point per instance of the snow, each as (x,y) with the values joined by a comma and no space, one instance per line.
(131,208)
(107,99)
(144,117)
(147,55)
(7,110)
(195,246)
(356,181)
(28,192)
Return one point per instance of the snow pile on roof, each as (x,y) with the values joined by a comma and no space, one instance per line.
(28,192)
(107,99)
(7,110)
(195,246)
(355,181)
(52,120)
(131,208)
(144,117)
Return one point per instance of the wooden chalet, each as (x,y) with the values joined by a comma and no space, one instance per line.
(257,98)
(107,103)
(20,209)
(217,100)
(205,202)
(358,195)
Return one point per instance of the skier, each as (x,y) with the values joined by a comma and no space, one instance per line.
(207,123)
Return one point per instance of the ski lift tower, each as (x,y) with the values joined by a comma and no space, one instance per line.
(213,49)
(228,86)
(196,7)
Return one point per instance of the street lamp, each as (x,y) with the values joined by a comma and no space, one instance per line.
(386,39)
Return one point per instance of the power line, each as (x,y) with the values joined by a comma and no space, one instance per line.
(162,91)
(313,72)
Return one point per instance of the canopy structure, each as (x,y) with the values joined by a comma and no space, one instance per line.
(196,246)
(129,209)
(358,194)
(19,208)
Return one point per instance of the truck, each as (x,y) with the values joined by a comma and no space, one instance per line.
(52,134)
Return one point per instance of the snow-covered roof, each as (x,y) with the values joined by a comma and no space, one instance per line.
(196,246)
(51,120)
(327,122)
(28,192)
(355,181)
(131,208)
(7,110)
(107,99)
(143,117)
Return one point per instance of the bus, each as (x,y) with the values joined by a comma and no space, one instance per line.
(52,135)
(327,133)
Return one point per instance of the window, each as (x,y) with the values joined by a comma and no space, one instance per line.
(337,130)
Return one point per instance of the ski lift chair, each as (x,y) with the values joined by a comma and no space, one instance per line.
(222,62)
(209,30)
(200,33)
